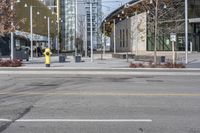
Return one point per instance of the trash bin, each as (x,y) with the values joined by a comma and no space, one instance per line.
(77,58)
(62,58)
(162,59)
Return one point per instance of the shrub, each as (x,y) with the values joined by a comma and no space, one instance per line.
(176,65)
(132,65)
(151,65)
(10,63)
(140,65)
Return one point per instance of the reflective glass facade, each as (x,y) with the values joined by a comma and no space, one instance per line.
(194,13)
(96,21)
(171,20)
(68,16)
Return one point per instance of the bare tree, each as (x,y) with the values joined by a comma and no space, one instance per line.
(164,17)
(6,16)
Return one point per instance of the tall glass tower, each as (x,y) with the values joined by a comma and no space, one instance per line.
(96,22)
(68,16)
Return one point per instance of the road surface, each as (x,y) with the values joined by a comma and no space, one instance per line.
(62,103)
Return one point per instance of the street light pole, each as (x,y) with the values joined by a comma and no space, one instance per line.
(156,26)
(58,26)
(114,27)
(186,31)
(12,44)
(91,30)
(31,29)
(86,47)
(104,46)
(48,21)
(76,23)
(12,37)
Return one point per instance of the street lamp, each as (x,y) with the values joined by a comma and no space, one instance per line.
(48,25)
(31,27)
(91,30)
(58,22)
(76,24)
(186,31)
(156,26)
(104,32)
(12,34)
(114,32)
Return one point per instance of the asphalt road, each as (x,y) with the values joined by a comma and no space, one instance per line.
(99,104)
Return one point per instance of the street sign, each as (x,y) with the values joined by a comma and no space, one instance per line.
(173,37)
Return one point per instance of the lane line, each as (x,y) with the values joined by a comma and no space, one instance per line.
(5,120)
(78,120)
(100,94)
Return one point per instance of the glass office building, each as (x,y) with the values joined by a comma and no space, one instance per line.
(96,22)
(68,26)
(171,19)
(68,16)
(194,21)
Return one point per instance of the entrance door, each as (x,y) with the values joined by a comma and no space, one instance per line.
(198,42)
(196,37)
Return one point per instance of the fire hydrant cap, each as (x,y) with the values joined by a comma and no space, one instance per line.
(47,50)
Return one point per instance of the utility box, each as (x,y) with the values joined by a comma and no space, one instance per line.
(21,54)
(77,58)
(162,59)
(62,58)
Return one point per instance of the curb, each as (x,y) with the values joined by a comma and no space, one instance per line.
(96,69)
(100,72)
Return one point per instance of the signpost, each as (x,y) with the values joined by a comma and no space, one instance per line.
(173,40)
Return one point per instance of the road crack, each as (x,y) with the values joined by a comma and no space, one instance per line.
(5,125)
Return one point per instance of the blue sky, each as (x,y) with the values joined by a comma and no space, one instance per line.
(110,5)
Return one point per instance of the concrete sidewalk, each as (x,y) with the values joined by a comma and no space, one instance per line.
(107,62)
(107,66)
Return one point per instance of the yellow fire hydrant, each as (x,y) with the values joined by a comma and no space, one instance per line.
(47,55)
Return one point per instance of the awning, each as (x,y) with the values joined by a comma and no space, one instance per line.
(35,36)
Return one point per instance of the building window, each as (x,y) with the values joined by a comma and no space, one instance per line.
(123,38)
(120,38)
(127,40)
